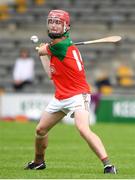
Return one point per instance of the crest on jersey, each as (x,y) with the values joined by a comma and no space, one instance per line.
(52,69)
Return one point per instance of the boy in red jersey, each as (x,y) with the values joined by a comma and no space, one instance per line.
(72,92)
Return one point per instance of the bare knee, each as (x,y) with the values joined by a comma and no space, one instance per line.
(41,131)
(41,138)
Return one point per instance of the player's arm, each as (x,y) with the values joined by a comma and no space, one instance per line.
(45,58)
(43,49)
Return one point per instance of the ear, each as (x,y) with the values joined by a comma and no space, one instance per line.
(66,27)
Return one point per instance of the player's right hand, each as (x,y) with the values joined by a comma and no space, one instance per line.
(42,49)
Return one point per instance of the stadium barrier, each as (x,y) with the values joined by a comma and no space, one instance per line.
(116,109)
(30,106)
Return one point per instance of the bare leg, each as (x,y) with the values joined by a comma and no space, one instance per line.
(47,121)
(40,146)
(94,142)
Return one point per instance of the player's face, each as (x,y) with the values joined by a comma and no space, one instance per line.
(55,26)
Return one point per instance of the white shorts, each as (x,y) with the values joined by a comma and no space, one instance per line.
(80,101)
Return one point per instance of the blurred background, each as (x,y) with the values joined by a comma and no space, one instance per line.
(109,66)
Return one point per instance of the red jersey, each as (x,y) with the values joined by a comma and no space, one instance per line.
(67,71)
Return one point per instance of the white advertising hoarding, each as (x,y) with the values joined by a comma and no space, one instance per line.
(30,105)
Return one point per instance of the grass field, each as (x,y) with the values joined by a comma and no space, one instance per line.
(68,156)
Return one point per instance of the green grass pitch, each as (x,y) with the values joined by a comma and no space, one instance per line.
(67,156)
